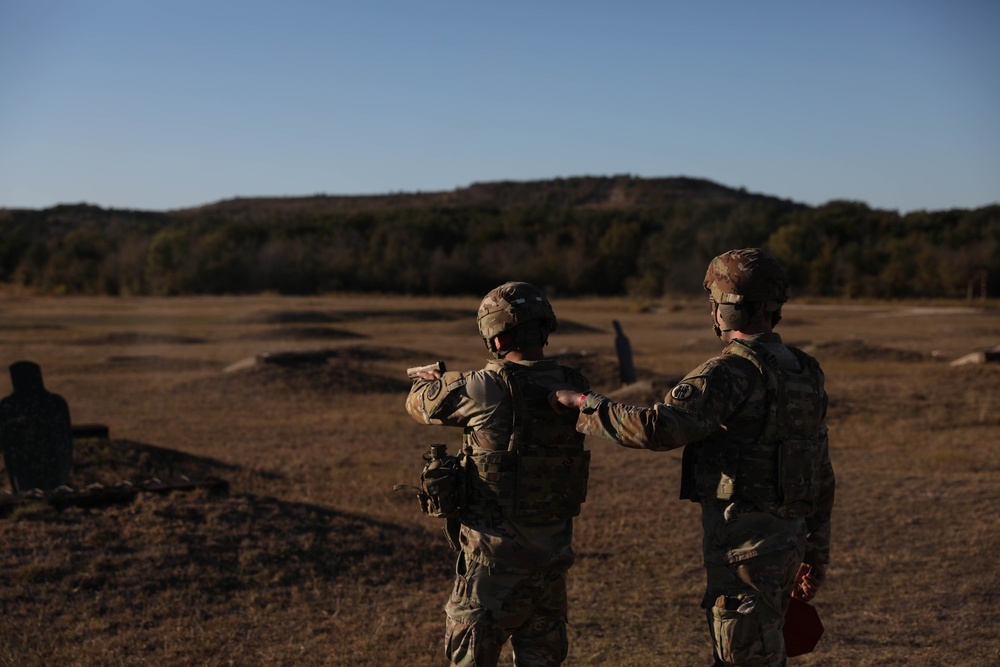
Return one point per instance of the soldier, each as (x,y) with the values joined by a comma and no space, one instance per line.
(752,424)
(526,477)
(35,432)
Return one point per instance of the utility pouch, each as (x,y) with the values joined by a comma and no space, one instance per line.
(551,487)
(798,477)
(715,470)
(442,484)
(494,475)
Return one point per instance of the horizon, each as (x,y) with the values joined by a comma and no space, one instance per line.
(167,106)
(463,187)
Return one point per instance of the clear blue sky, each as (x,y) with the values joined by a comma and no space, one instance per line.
(157,104)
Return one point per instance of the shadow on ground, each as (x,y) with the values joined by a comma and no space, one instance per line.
(196,541)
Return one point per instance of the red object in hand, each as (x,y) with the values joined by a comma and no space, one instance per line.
(803,628)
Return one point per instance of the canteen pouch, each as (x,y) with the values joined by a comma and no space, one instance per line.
(442,484)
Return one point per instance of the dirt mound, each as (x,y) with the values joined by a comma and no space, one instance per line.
(102,461)
(292,317)
(375,353)
(340,316)
(304,380)
(193,539)
(567,327)
(858,350)
(139,338)
(202,546)
(32,326)
(310,380)
(144,363)
(301,333)
(355,369)
(151,574)
(346,355)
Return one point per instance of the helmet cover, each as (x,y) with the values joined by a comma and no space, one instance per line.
(749,275)
(511,305)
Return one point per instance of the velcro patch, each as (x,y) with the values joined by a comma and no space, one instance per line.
(484,389)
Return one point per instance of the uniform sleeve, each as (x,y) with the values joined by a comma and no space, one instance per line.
(818,524)
(455,399)
(693,410)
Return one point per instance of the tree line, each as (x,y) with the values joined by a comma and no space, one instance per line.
(596,236)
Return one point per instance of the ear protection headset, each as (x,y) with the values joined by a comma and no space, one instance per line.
(736,316)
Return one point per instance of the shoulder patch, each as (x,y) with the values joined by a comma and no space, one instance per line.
(434,390)
(682,392)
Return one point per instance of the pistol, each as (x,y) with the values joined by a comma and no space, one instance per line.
(436,366)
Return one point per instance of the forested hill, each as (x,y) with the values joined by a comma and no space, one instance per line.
(573,236)
(581,192)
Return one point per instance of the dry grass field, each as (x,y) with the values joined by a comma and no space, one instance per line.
(312,559)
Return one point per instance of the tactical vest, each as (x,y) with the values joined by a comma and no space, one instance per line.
(779,471)
(539,471)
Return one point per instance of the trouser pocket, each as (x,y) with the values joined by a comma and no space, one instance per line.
(739,635)
(471,636)
(467,643)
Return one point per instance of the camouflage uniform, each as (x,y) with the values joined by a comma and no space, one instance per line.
(753,539)
(526,477)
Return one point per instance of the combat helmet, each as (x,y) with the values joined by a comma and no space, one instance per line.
(515,307)
(744,282)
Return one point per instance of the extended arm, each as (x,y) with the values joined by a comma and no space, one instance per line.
(694,409)
(454,398)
